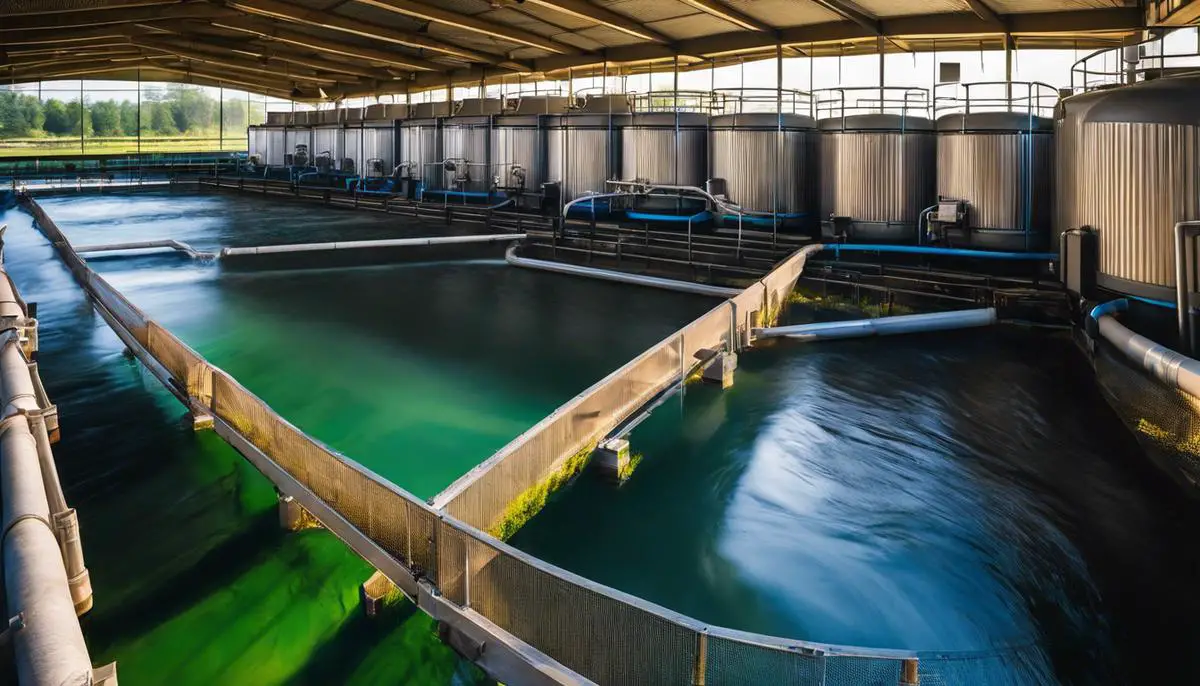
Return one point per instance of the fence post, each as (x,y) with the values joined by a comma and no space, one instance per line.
(701,667)
(908,673)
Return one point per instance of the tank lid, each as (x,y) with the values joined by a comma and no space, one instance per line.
(669,119)
(589,120)
(763,120)
(425,110)
(1012,122)
(541,104)
(479,107)
(1174,100)
(875,122)
(616,103)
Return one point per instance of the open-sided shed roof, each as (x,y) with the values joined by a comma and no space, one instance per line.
(315,49)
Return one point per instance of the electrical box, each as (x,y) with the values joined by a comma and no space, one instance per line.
(948,212)
(949,72)
(1079,260)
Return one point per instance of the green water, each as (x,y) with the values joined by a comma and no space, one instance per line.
(419,371)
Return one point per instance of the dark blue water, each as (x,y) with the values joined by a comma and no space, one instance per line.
(959,492)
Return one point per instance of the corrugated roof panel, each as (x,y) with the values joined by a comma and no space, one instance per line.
(472,40)
(783,13)
(693,26)
(610,37)
(379,17)
(647,11)
(579,41)
(554,17)
(1014,6)
(900,8)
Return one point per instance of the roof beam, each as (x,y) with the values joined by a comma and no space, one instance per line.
(233,62)
(272,32)
(854,13)
(15,8)
(105,17)
(332,22)
(586,10)
(720,10)
(984,12)
(488,28)
(66,36)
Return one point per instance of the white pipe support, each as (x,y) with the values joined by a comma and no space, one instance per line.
(383,243)
(883,326)
(16,381)
(49,648)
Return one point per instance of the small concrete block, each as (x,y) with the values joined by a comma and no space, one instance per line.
(612,457)
(105,675)
(719,370)
(202,422)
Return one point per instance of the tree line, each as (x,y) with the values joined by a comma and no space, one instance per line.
(171,111)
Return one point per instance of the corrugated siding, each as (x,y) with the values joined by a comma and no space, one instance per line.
(378,143)
(582,158)
(471,144)
(524,146)
(1133,182)
(877,177)
(1006,178)
(329,140)
(419,146)
(665,156)
(746,160)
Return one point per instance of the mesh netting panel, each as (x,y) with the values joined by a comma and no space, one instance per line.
(1027,666)
(571,428)
(452,563)
(130,317)
(730,662)
(423,525)
(746,304)
(780,282)
(1165,421)
(861,671)
(190,370)
(710,332)
(605,639)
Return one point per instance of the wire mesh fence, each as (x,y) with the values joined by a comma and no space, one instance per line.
(602,634)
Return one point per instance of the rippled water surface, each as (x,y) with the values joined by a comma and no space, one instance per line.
(959,492)
(420,371)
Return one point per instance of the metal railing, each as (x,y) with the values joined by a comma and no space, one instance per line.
(1146,60)
(855,100)
(592,633)
(1018,97)
(704,102)
(763,100)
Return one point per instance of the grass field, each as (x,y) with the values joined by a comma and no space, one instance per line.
(30,147)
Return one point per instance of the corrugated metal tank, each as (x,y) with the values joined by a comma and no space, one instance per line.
(666,148)
(421,148)
(1002,165)
(274,145)
(878,171)
(742,153)
(1129,161)
(329,139)
(583,151)
(377,154)
(297,135)
(519,139)
(467,136)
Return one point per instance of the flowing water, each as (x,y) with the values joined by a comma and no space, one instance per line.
(419,371)
(957,492)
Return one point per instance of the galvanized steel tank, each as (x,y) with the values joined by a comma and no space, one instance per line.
(878,171)
(377,148)
(466,137)
(666,148)
(1002,165)
(1129,163)
(743,150)
(294,136)
(583,148)
(519,142)
(421,143)
(329,138)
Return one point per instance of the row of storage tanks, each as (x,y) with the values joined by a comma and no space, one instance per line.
(1124,162)
(877,170)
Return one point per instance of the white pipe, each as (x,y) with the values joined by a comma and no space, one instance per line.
(620,277)
(18,392)
(1173,369)
(383,243)
(10,305)
(49,648)
(146,245)
(883,326)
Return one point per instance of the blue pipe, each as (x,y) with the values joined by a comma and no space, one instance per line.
(928,250)
(1110,307)
(460,194)
(759,220)
(650,217)
(1151,301)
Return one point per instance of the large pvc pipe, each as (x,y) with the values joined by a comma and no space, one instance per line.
(931,250)
(1166,365)
(384,243)
(49,648)
(10,305)
(146,245)
(620,277)
(15,379)
(883,326)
